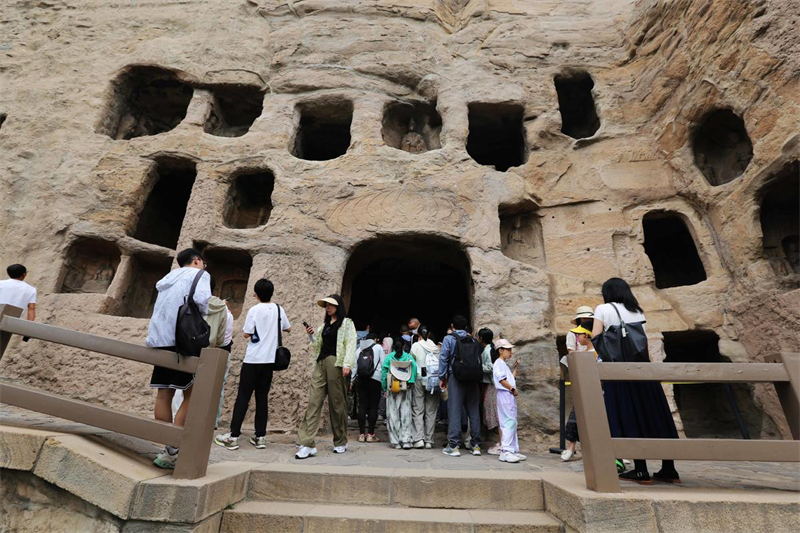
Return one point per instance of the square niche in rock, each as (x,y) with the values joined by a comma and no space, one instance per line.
(323,129)
(249,201)
(234,109)
(497,135)
(145,100)
(521,235)
(230,272)
(140,296)
(413,127)
(90,265)
(161,217)
(579,117)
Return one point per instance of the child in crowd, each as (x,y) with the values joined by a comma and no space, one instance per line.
(488,391)
(261,329)
(583,338)
(398,374)
(584,318)
(506,384)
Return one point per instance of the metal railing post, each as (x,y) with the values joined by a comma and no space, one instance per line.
(590,410)
(199,429)
(5,337)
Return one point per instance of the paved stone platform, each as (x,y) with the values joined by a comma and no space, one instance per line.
(281,448)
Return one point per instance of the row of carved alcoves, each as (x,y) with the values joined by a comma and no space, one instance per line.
(669,240)
(149,100)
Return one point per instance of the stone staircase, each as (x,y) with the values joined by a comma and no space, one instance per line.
(353,499)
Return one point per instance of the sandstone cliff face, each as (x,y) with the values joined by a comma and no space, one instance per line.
(552,144)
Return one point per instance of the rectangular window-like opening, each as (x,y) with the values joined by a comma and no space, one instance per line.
(575,102)
(90,266)
(497,135)
(230,272)
(234,109)
(249,202)
(672,251)
(323,131)
(140,297)
(161,217)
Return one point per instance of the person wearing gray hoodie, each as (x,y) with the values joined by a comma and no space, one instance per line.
(173,289)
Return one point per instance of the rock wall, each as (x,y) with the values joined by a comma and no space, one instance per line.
(120,116)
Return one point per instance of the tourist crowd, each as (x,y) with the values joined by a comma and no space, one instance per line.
(411,378)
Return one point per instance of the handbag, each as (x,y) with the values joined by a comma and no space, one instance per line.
(626,343)
(282,354)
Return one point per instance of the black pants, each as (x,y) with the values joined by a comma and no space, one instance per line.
(369,398)
(256,378)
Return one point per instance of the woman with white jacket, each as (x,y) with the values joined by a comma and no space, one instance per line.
(426,388)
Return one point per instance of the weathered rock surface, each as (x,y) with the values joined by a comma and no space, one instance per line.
(77,168)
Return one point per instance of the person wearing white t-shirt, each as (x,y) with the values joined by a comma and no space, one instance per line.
(16,292)
(261,329)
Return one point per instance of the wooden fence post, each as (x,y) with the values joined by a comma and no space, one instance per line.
(789,393)
(7,310)
(590,410)
(199,429)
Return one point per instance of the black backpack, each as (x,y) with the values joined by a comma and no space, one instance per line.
(468,360)
(191,330)
(366,362)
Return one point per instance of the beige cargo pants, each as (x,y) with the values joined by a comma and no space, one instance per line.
(326,381)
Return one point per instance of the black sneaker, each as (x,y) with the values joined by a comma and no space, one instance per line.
(667,477)
(642,478)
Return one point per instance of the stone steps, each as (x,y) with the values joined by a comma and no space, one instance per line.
(398,487)
(278,517)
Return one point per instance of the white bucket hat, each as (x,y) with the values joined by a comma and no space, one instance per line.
(503,343)
(583,311)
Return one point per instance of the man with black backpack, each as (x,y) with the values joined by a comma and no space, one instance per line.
(460,373)
(185,291)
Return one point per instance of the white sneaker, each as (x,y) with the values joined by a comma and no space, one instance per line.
(340,449)
(397,446)
(495,450)
(508,457)
(428,445)
(521,457)
(258,442)
(566,455)
(305,452)
(419,444)
(226,441)
(165,460)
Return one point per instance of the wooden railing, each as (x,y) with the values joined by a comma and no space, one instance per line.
(194,439)
(600,450)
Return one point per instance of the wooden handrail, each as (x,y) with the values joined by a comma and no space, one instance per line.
(694,372)
(600,450)
(96,343)
(194,438)
(90,414)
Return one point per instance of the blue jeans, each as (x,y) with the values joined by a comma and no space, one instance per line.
(466,396)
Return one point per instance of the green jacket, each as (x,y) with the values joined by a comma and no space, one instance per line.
(346,344)
(387,363)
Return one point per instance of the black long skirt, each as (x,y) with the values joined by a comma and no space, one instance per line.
(638,410)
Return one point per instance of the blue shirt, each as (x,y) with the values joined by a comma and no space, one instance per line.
(446,355)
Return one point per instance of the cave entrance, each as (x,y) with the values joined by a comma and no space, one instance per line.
(722,147)
(390,280)
(497,135)
(234,109)
(671,249)
(323,130)
(575,102)
(249,202)
(706,409)
(161,217)
(780,219)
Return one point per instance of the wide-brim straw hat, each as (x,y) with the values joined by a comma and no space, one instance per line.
(327,300)
(583,311)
